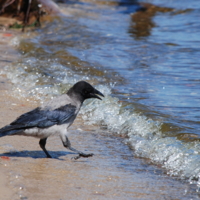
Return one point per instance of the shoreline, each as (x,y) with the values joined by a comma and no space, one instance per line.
(112,173)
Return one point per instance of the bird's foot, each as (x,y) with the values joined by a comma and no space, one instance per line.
(82,155)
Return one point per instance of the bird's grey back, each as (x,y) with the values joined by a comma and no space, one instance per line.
(60,101)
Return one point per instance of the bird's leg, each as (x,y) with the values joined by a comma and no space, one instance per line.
(42,144)
(67,144)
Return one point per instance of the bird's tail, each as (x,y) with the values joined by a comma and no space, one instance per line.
(9,130)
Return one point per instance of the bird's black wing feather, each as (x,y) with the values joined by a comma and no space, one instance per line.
(30,118)
(42,118)
(58,116)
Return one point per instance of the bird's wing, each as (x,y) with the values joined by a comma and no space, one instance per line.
(42,118)
(59,116)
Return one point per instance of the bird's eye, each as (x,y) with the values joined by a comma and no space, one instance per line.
(86,92)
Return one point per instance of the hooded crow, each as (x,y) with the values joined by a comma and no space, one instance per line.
(54,117)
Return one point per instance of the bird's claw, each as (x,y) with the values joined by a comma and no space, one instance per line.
(82,155)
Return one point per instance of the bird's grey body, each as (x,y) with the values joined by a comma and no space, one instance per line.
(53,117)
(61,129)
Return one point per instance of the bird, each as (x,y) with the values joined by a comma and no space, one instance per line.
(54,117)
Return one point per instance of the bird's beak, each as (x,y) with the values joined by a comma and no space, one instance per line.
(95,94)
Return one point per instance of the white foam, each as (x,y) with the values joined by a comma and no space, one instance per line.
(40,83)
(15,41)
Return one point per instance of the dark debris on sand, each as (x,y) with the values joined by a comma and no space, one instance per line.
(22,13)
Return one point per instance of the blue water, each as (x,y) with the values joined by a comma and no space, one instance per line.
(149,74)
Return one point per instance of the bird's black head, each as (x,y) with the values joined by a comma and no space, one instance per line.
(84,91)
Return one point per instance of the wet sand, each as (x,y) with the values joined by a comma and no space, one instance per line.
(112,173)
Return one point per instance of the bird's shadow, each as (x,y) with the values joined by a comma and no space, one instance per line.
(36,154)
